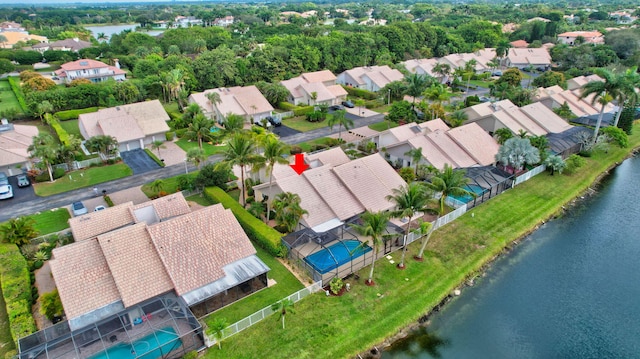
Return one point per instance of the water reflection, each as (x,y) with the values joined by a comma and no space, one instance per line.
(415,345)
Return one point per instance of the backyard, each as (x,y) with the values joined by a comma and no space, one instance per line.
(8,98)
(82,178)
(320,324)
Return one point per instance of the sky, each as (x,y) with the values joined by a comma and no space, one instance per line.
(67,2)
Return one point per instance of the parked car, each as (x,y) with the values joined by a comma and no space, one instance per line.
(23,181)
(274,121)
(348,104)
(496,73)
(78,209)
(99,208)
(336,107)
(484,99)
(419,114)
(6,191)
(3,179)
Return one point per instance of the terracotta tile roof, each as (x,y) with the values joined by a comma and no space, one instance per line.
(83,278)
(319,76)
(585,34)
(15,36)
(136,268)
(86,64)
(94,223)
(519,44)
(195,247)
(476,142)
(169,206)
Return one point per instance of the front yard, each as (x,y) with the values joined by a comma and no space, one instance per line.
(300,123)
(209,149)
(82,178)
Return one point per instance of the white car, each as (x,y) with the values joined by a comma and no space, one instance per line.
(6,191)
(99,208)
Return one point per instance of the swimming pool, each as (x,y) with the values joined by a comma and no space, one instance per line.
(336,255)
(214,129)
(479,191)
(153,346)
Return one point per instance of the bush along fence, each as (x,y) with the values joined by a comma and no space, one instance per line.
(258,316)
(260,233)
(74,114)
(16,289)
(15,86)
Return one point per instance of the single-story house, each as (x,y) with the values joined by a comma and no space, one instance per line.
(590,37)
(315,88)
(14,141)
(74,45)
(372,78)
(134,125)
(525,57)
(13,37)
(579,81)
(422,66)
(148,278)
(92,70)
(246,101)
(335,189)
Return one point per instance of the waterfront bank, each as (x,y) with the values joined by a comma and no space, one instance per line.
(340,327)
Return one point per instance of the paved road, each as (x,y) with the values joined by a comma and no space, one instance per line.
(326,131)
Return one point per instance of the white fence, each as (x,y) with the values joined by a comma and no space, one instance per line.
(281,115)
(527,176)
(76,165)
(449,217)
(258,316)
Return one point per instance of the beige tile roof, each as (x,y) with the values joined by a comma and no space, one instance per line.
(310,200)
(476,142)
(94,223)
(134,263)
(15,36)
(168,206)
(322,93)
(293,85)
(546,118)
(433,154)
(334,156)
(83,278)
(457,154)
(150,116)
(337,196)
(239,100)
(337,90)
(319,76)
(529,56)
(434,125)
(380,75)
(479,111)
(426,65)
(122,126)
(195,247)
(370,179)
(14,144)
(531,126)
(404,132)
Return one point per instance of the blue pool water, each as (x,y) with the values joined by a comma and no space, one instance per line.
(336,255)
(152,346)
(471,188)
(214,129)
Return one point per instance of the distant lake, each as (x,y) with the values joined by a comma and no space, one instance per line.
(116,29)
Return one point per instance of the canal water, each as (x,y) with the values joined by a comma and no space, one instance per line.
(109,30)
(570,290)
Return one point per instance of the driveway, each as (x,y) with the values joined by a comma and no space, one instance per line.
(171,153)
(139,161)
(21,194)
(284,131)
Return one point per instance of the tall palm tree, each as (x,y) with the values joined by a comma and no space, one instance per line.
(416,84)
(416,156)
(373,225)
(442,69)
(339,118)
(241,151)
(282,308)
(502,49)
(288,210)
(196,156)
(470,69)
(436,93)
(214,98)
(199,129)
(603,92)
(217,330)
(102,36)
(273,152)
(629,80)
(409,200)
(157,145)
(449,182)
(43,147)
(428,228)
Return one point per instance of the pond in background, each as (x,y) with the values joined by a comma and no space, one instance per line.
(116,29)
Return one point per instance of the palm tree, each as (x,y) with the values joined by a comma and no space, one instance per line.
(416,156)
(214,98)
(44,148)
(428,228)
(288,210)
(339,118)
(394,90)
(442,69)
(516,152)
(457,118)
(502,49)
(18,231)
(282,308)
(157,186)
(503,134)
(3,40)
(217,330)
(373,225)
(103,144)
(241,151)
(273,152)
(470,69)
(416,84)
(199,129)
(196,156)
(603,92)
(629,81)
(409,200)
(436,93)
(102,36)
(449,182)
(157,145)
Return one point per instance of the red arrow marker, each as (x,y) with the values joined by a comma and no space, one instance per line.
(299,166)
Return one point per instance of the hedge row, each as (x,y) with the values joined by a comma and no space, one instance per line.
(16,289)
(63,135)
(265,236)
(287,106)
(74,114)
(303,110)
(154,157)
(365,94)
(15,86)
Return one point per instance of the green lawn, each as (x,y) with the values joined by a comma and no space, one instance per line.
(171,107)
(341,327)
(170,185)
(83,178)
(5,333)
(384,125)
(306,146)
(51,221)
(201,200)
(301,124)
(208,149)
(8,98)
(286,284)
(478,83)
(71,126)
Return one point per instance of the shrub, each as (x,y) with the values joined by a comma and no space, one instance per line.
(191,355)
(373,103)
(260,233)
(169,136)
(154,157)
(408,174)
(108,200)
(365,94)
(74,114)
(336,285)
(63,135)
(51,306)
(180,133)
(212,175)
(16,289)
(617,135)
(303,110)
(573,162)
(286,106)
(15,86)
(471,100)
